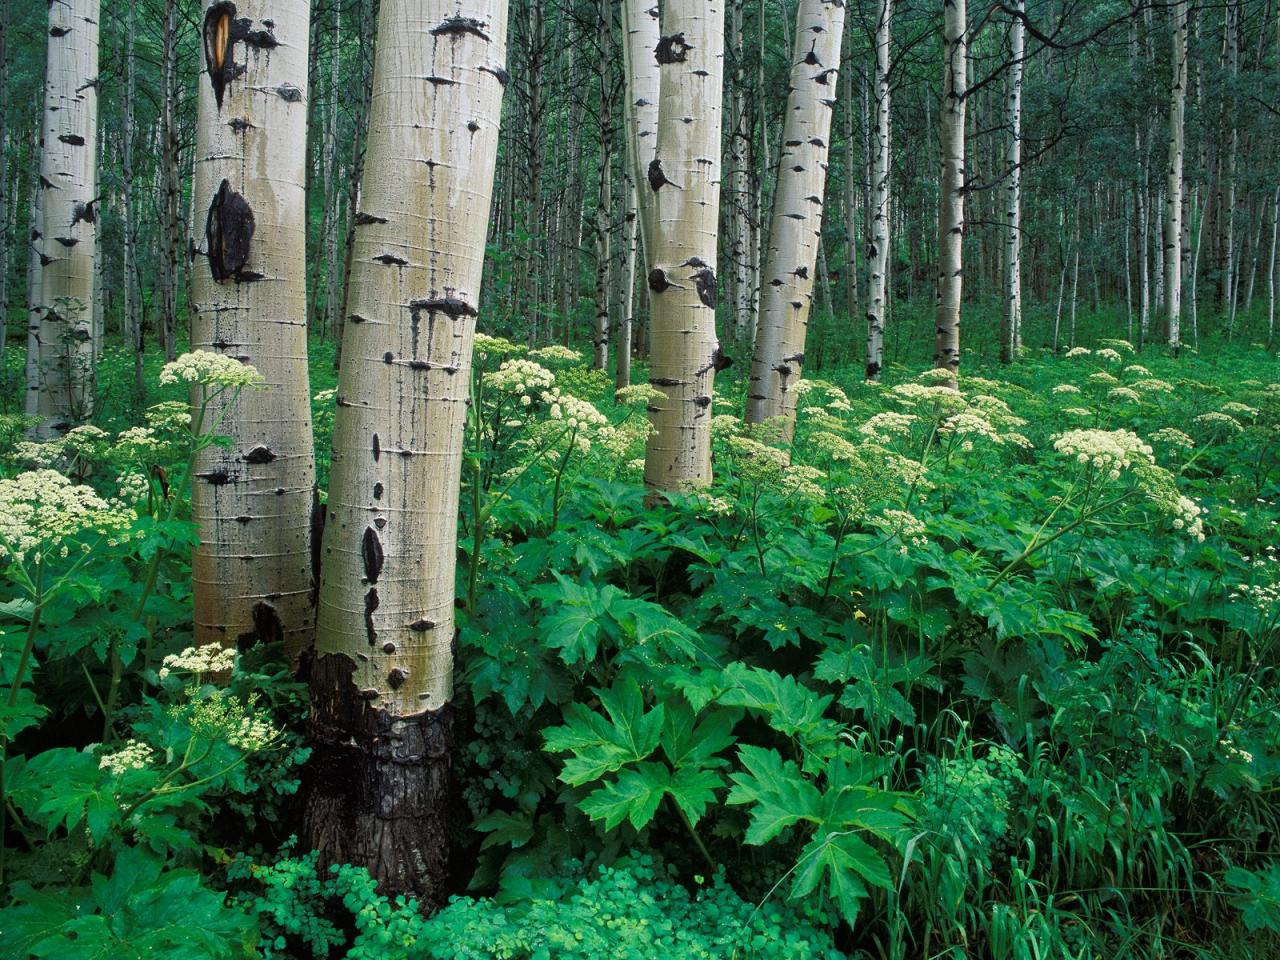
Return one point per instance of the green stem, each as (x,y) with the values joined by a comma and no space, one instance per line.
(28,646)
(697,840)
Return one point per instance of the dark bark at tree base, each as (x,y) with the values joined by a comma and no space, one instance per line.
(377,786)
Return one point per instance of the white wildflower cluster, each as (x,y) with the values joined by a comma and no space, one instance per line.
(726,425)
(1078,352)
(488,347)
(86,441)
(883,427)
(1173,438)
(210,369)
(42,510)
(1066,388)
(176,415)
(210,658)
(1235,753)
(1153,385)
(820,418)
(936,375)
(1124,346)
(981,383)
(942,399)
(1021,440)
(1235,409)
(1103,379)
(1137,370)
(1216,421)
(132,488)
(832,397)
(1078,411)
(556,355)
(802,482)
(909,529)
(1106,353)
(224,717)
(706,504)
(134,755)
(1123,395)
(1109,451)
(996,410)
(638,395)
(520,378)
(834,446)
(1187,516)
(970,425)
(139,445)
(576,413)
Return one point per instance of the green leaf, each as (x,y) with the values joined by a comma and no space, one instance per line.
(634,796)
(779,793)
(601,745)
(689,744)
(837,859)
(693,789)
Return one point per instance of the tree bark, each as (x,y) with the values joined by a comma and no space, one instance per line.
(69,196)
(1011,315)
(684,188)
(171,242)
(254,500)
(1173,188)
(382,675)
(878,239)
(604,190)
(796,228)
(946,353)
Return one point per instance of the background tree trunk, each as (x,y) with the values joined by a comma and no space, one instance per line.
(879,238)
(1173,187)
(69,200)
(1011,315)
(951,202)
(382,676)
(796,229)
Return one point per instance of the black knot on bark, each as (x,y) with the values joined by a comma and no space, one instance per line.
(657,179)
(721,360)
(672,49)
(705,283)
(228,231)
(459,26)
(658,280)
(372,554)
(259,455)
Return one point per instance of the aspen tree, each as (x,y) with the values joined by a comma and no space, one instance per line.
(796,228)
(254,499)
(1173,187)
(6,200)
(35,267)
(169,145)
(878,238)
(132,314)
(604,188)
(640,34)
(741,232)
(1011,315)
(684,184)
(68,198)
(1271,267)
(951,203)
(382,675)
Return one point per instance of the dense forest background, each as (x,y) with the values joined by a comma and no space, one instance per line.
(1094,147)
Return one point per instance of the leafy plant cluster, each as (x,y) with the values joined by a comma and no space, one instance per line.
(975,674)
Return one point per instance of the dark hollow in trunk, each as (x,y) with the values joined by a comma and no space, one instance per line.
(377,785)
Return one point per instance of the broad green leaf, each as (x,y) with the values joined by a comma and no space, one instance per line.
(634,796)
(780,795)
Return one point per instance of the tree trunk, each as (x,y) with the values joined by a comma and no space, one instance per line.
(1271,268)
(796,227)
(171,241)
(684,186)
(332,195)
(741,228)
(254,500)
(133,333)
(604,189)
(1173,188)
(627,296)
(69,198)
(1011,315)
(35,282)
(382,676)
(951,202)
(878,238)
(6,199)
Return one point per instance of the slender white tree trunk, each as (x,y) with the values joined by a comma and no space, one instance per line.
(741,229)
(684,186)
(129,286)
(35,267)
(1173,188)
(171,240)
(69,194)
(796,228)
(254,500)
(6,194)
(878,239)
(1011,316)
(640,34)
(951,202)
(1271,267)
(382,676)
(626,302)
(604,189)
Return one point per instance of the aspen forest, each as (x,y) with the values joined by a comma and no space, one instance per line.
(639,479)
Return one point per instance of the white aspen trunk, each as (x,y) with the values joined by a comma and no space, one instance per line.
(640,33)
(171,240)
(1173,188)
(1011,315)
(35,267)
(1128,279)
(254,500)
(684,184)
(332,195)
(741,232)
(129,287)
(951,201)
(1075,279)
(69,194)
(626,314)
(1271,268)
(604,190)
(6,195)
(878,238)
(1156,245)
(382,676)
(795,230)
(853,232)
(1231,277)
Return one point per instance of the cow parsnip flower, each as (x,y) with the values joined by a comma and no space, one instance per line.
(1108,451)
(210,369)
(883,427)
(1124,395)
(520,378)
(487,346)
(176,415)
(1153,385)
(1066,388)
(1218,421)
(1124,346)
(42,511)
(1173,438)
(1102,378)
(556,354)
(638,395)
(970,424)
(1108,354)
(1235,409)
(209,658)
(1078,352)
(1137,370)
(134,755)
